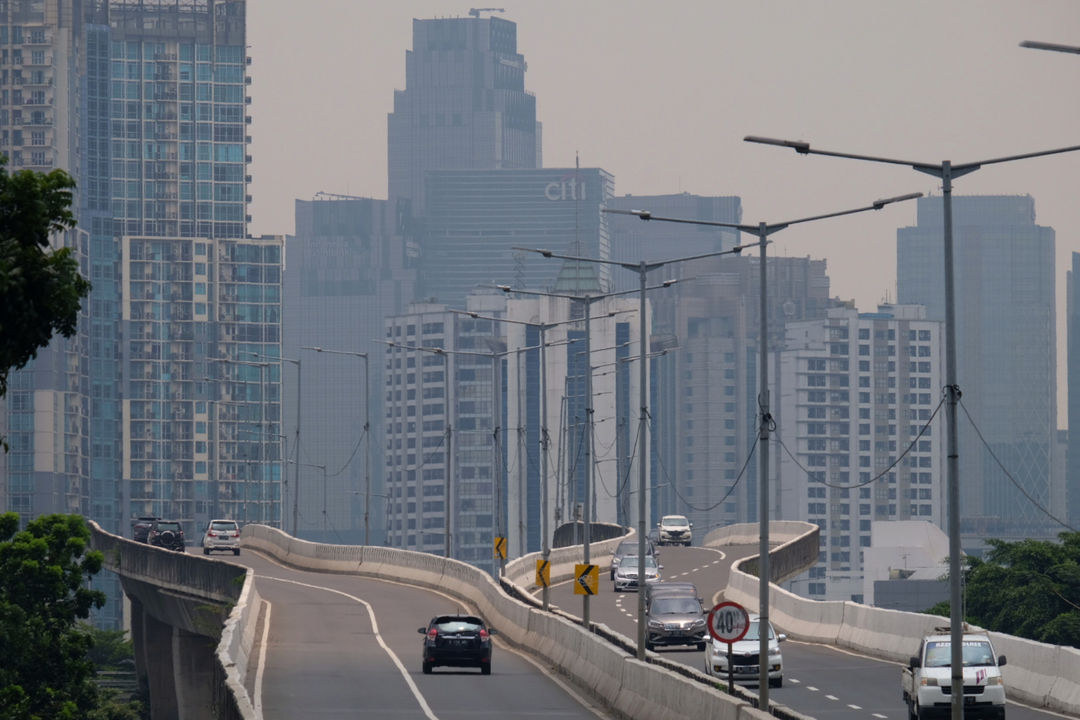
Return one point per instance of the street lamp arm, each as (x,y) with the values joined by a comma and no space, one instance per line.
(335,352)
(936,169)
(1039,45)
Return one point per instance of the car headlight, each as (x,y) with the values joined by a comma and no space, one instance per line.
(656,625)
(774,652)
(928,682)
(994,680)
(697,624)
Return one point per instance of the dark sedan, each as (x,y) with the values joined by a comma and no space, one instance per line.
(457,641)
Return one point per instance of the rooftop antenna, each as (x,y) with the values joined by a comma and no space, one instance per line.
(475,12)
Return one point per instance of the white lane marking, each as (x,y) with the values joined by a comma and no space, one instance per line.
(879,715)
(832,697)
(855,707)
(811,688)
(794,681)
(378,637)
(262,661)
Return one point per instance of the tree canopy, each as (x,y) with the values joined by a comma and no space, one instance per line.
(1029,588)
(41,289)
(44,670)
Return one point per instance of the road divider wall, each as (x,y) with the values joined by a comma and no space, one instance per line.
(1036,673)
(636,690)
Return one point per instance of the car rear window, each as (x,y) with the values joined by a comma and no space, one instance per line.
(222,526)
(459,624)
(174,526)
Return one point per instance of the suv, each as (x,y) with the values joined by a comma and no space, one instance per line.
(457,640)
(166,534)
(221,535)
(674,618)
(745,656)
(629,547)
(674,530)
(140,527)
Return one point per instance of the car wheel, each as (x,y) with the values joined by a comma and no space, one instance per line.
(776,682)
(427,668)
(649,646)
(236,551)
(485,669)
(206,551)
(701,646)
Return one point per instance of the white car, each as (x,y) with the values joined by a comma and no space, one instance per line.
(221,535)
(626,577)
(745,656)
(674,530)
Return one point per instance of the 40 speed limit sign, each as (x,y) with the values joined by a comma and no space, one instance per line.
(728,622)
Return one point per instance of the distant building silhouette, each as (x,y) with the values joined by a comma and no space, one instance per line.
(1006,357)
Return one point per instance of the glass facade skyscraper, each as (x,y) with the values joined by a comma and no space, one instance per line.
(1006,358)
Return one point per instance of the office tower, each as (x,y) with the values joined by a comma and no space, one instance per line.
(464,107)
(860,432)
(347,270)
(633,240)
(1072,452)
(705,412)
(1006,357)
(475,219)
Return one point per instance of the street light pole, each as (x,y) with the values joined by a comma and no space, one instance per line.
(296,444)
(367,431)
(946,171)
(762,230)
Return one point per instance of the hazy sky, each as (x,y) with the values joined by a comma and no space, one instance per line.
(661,94)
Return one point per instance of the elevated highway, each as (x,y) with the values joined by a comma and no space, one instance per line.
(842,660)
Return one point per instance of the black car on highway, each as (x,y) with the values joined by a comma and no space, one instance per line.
(140,527)
(457,641)
(166,534)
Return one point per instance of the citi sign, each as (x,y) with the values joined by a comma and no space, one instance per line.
(568,187)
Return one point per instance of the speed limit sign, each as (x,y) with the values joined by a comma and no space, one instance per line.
(728,622)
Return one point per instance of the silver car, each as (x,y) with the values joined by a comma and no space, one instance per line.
(221,535)
(629,547)
(626,577)
(745,657)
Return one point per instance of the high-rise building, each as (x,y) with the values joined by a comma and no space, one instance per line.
(476,218)
(1006,357)
(860,429)
(705,414)
(145,104)
(347,270)
(1072,452)
(464,107)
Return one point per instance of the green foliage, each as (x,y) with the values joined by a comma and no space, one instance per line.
(111,649)
(40,287)
(1029,588)
(45,672)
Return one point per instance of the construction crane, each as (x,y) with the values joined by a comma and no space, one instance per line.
(475,12)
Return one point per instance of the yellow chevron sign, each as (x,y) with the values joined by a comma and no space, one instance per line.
(586,579)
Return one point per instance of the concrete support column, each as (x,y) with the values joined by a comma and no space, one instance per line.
(194,666)
(158,655)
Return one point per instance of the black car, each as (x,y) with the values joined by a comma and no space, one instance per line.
(166,534)
(140,527)
(458,641)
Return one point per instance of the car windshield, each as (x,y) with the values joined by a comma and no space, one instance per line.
(458,624)
(676,522)
(976,653)
(752,632)
(675,606)
(631,561)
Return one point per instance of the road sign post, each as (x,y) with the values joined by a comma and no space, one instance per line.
(728,623)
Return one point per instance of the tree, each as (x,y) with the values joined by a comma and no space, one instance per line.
(41,289)
(1029,588)
(44,669)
